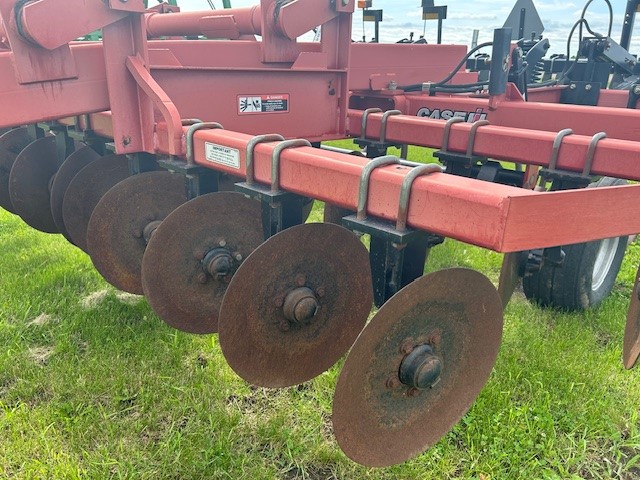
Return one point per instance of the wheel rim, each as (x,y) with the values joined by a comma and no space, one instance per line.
(604,260)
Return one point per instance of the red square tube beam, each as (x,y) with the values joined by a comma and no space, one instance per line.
(612,157)
(498,217)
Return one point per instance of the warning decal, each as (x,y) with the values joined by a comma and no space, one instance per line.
(278,103)
(227,156)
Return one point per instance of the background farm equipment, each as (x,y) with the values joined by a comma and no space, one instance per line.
(184,195)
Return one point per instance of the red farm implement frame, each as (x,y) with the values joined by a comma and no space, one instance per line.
(156,157)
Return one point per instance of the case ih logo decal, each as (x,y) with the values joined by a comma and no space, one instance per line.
(438,114)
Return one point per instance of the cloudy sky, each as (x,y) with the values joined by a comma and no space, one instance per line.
(403,16)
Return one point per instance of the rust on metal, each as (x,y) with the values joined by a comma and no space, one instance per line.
(69,169)
(11,144)
(399,391)
(296,305)
(123,221)
(85,191)
(631,347)
(194,241)
(30,182)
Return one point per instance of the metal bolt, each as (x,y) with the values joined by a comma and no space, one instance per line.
(218,263)
(636,90)
(435,339)
(222,243)
(136,233)
(284,326)
(202,278)
(392,382)
(320,292)
(573,86)
(150,229)
(393,85)
(300,305)
(407,347)
(199,254)
(278,301)
(300,280)
(237,256)
(413,392)
(587,87)
(421,368)
(126,140)
(345,2)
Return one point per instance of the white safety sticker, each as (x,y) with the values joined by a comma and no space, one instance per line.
(278,103)
(227,156)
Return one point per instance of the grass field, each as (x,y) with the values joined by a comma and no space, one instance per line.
(93,385)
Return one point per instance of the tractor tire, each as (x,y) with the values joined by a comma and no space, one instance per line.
(587,275)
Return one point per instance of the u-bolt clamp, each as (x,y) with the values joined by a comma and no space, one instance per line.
(275,159)
(363,194)
(472,135)
(447,133)
(591,151)
(553,161)
(251,146)
(405,192)
(192,131)
(383,124)
(365,119)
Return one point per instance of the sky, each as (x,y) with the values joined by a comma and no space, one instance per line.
(400,17)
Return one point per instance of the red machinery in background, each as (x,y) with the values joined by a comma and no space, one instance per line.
(157,158)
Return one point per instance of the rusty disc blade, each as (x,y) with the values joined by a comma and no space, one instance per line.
(11,144)
(69,169)
(509,276)
(226,226)
(631,347)
(85,191)
(124,220)
(296,305)
(379,420)
(29,183)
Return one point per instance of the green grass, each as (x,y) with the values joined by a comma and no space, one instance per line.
(93,385)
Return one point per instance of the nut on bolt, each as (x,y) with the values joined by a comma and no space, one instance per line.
(412,392)
(407,347)
(202,278)
(278,301)
(284,326)
(300,280)
(392,382)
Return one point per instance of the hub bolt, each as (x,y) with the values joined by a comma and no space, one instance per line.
(407,346)
(421,369)
(300,305)
(392,382)
(218,263)
(300,280)
(150,229)
(412,392)
(284,326)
